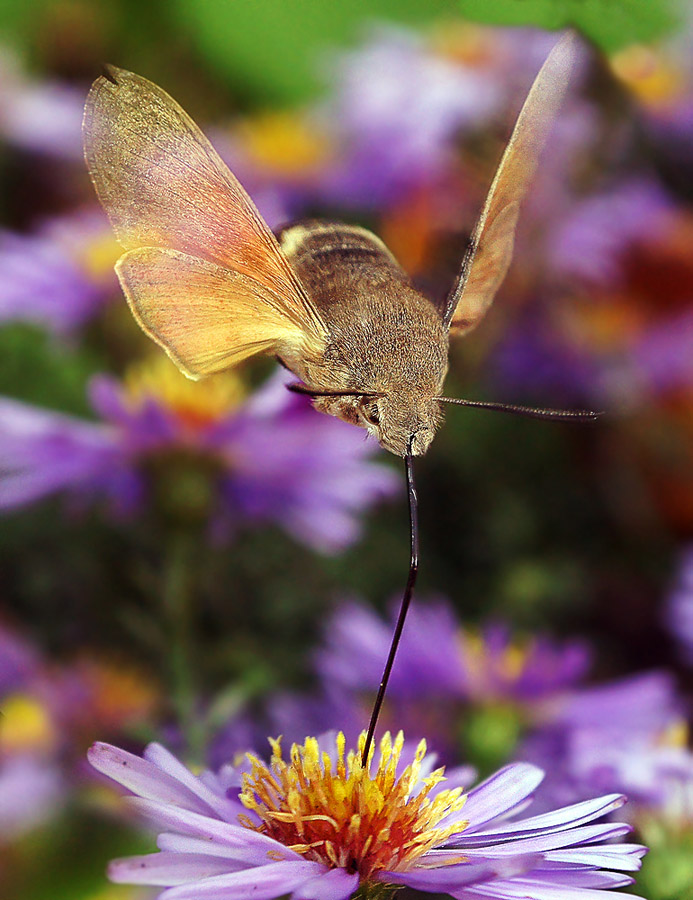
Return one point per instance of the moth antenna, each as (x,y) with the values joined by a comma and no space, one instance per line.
(307,391)
(531,412)
(406,598)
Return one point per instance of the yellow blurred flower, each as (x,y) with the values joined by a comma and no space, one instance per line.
(195,403)
(25,724)
(285,143)
(649,74)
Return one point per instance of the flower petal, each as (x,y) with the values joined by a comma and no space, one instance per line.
(335,884)
(557,820)
(588,878)
(501,793)
(451,877)
(263,882)
(143,777)
(626,857)
(181,843)
(168,869)
(552,841)
(520,889)
(253,847)
(168,763)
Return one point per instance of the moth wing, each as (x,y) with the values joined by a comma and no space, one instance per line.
(491,246)
(163,185)
(184,303)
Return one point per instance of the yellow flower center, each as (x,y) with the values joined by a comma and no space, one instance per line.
(340,814)
(25,725)
(650,75)
(99,255)
(284,142)
(485,665)
(462,42)
(196,404)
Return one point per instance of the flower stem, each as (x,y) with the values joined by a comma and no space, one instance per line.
(177,599)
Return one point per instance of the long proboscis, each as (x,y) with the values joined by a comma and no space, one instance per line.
(530,412)
(406,600)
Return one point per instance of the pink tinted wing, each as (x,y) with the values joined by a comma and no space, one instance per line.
(163,185)
(183,303)
(491,246)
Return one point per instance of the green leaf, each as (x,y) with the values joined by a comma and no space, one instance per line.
(275,49)
(609,23)
(37,369)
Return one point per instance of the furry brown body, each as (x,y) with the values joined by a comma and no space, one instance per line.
(386,341)
(209,282)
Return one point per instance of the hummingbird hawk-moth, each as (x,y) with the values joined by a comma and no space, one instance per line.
(207,279)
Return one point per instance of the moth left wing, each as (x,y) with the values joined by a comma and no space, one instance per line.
(491,245)
(205,316)
(164,186)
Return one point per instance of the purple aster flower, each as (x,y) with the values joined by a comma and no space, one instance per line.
(320,825)
(397,107)
(679,613)
(489,687)
(622,735)
(440,658)
(663,354)
(60,276)
(43,116)
(591,240)
(18,661)
(536,356)
(270,459)
(31,790)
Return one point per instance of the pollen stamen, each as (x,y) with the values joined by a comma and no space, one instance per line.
(340,813)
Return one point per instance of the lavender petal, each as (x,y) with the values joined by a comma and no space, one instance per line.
(264,882)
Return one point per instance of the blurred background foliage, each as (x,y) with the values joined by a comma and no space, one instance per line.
(564,530)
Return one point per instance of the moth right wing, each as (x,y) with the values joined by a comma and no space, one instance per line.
(491,246)
(199,253)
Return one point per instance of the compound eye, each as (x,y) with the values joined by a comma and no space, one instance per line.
(371,413)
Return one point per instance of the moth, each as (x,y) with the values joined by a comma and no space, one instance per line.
(207,279)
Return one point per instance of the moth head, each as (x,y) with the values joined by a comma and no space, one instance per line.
(401,422)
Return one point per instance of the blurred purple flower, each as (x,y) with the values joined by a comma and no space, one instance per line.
(439,658)
(32,783)
(624,734)
(272,459)
(591,240)
(43,452)
(60,276)
(620,736)
(31,790)
(42,116)
(397,106)
(443,676)
(679,608)
(538,359)
(18,661)
(320,826)
(663,354)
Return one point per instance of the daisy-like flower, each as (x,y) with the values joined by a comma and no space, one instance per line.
(319,826)
(397,105)
(40,116)
(442,657)
(627,735)
(60,276)
(199,450)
